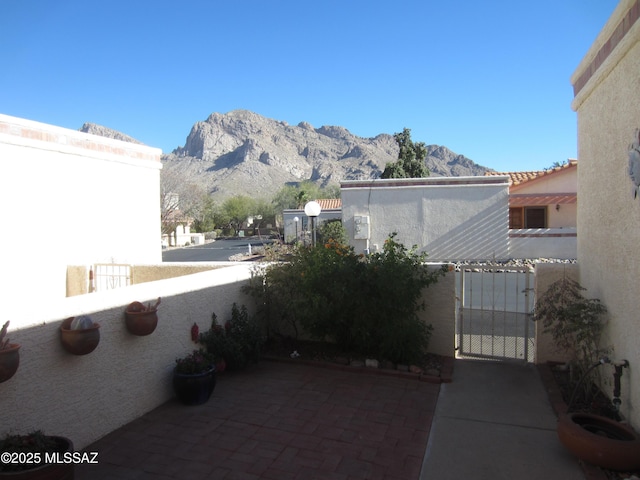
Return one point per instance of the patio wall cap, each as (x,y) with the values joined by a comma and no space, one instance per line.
(427,181)
(617,37)
(23,132)
(50,312)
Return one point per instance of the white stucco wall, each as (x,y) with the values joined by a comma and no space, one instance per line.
(71,198)
(451,218)
(86,397)
(558,181)
(608,214)
(543,243)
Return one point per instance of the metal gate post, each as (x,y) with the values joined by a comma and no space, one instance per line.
(461,313)
(526,316)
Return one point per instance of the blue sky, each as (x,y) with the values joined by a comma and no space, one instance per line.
(487,79)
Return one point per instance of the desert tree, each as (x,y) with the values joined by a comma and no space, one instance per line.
(410,163)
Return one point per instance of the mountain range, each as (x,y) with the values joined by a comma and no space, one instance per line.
(241,152)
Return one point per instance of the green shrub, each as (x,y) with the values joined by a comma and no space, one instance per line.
(366,305)
(238,342)
(575,324)
(332,230)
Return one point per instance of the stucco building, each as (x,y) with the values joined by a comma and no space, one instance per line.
(606,88)
(75,199)
(543,212)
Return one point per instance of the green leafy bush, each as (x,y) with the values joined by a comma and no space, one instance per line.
(575,323)
(366,305)
(238,342)
(332,230)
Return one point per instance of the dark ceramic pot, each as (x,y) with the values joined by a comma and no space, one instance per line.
(9,361)
(51,471)
(79,342)
(194,389)
(600,441)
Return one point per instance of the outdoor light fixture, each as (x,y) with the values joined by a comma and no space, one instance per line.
(296,220)
(312,210)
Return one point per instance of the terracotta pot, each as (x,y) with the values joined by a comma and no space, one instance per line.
(9,361)
(56,471)
(140,320)
(79,342)
(600,441)
(194,389)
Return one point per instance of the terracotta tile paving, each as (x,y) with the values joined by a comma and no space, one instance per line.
(279,421)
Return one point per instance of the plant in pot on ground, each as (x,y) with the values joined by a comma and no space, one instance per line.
(9,355)
(31,456)
(575,323)
(365,305)
(194,377)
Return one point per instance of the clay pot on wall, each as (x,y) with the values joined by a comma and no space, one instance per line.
(140,319)
(9,355)
(79,335)
(9,361)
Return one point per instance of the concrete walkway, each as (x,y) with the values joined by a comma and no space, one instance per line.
(494,422)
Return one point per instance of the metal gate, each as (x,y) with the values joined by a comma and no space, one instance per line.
(493,312)
(107,276)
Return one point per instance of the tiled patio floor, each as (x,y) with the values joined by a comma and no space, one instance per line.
(279,421)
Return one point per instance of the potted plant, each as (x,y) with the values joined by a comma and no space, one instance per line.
(80,335)
(575,324)
(194,378)
(36,456)
(214,341)
(141,319)
(9,355)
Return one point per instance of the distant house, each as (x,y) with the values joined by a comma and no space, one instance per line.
(543,212)
(297,225)
(543,199)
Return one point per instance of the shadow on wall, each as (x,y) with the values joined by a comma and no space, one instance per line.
(482,237)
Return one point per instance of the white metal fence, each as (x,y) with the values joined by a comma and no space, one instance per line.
(494,303)
(107,276)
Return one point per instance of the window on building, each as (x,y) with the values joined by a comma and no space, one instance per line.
(528,217)
(535,217)
(516,217)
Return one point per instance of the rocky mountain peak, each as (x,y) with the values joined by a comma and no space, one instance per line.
(242,152)
(94,129)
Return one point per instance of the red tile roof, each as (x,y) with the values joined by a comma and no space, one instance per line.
(329,203)
(518,178)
